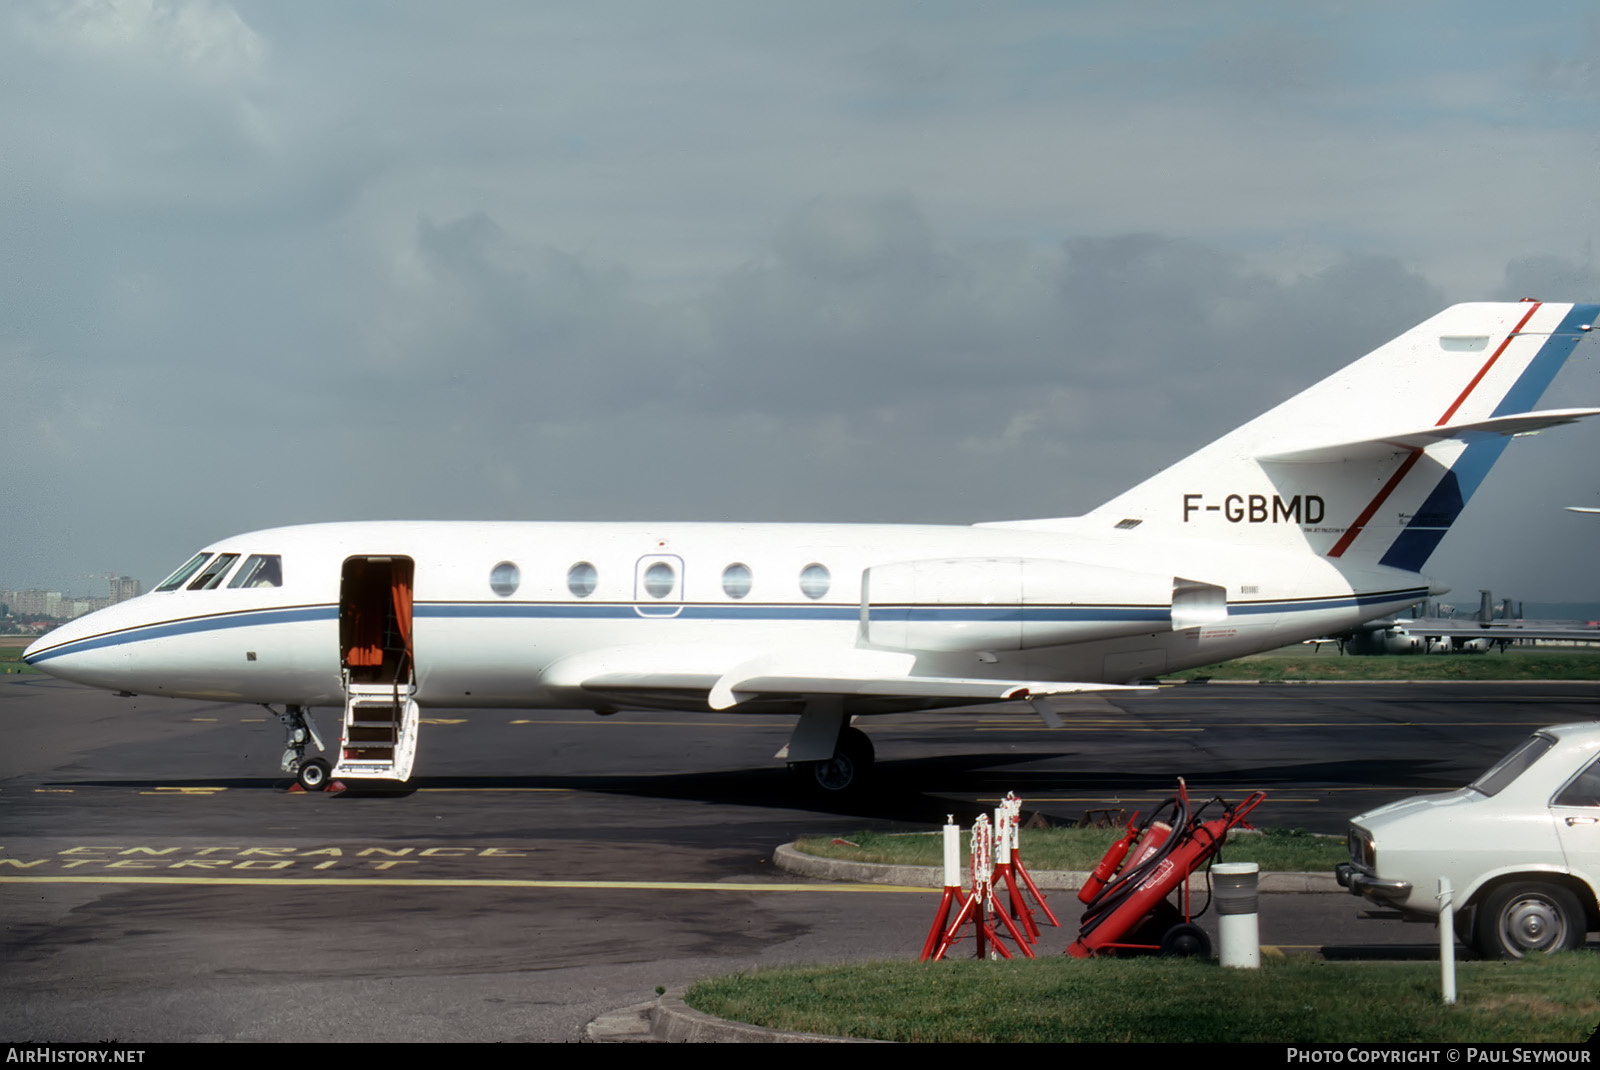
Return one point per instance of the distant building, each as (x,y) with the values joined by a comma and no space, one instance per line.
(53,605)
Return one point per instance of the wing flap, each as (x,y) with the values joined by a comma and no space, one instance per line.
(879,673)
(938,687)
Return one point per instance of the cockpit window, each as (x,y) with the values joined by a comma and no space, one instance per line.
(214,572)
(1513,765)
(174,581)
(259,570)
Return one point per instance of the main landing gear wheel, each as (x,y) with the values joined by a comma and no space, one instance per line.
(1529,918)
(845,773)
(313,774)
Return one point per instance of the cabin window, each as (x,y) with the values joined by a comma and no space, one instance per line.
(581,579)
(814,580)
(505,578)
(736,580)
(259,570)
(659,580)
(213,572)
(174,581)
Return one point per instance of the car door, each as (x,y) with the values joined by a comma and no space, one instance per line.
(1576,809)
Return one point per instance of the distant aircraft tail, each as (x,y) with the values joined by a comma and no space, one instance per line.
(1373,464)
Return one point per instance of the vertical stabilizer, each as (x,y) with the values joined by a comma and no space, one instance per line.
(1373,464)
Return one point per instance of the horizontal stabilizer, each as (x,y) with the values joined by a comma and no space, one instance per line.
(1380,446)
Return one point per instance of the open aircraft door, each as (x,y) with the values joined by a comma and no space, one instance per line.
(379,740)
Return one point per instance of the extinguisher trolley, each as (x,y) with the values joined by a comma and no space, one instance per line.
(1126,908)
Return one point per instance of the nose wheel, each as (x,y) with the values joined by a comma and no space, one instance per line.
(313,774)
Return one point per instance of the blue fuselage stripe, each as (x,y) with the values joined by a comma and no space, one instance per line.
(167,629)
(577,611)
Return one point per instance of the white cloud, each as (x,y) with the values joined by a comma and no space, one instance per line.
(838,261)
(199,37)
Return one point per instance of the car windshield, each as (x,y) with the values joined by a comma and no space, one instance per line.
(1513,765)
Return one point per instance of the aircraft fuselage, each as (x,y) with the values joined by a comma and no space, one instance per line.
(682,604)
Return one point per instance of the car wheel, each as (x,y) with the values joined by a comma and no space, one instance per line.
(1529,918)
(1467,929)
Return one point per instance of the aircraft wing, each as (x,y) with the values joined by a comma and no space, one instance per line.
(876,673)
(726,694)
(1522,423)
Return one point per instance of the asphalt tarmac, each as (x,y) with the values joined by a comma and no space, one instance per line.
(157,883)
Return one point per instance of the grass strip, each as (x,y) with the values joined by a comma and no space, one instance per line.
(1057,999)
(11,648)
(1275,850)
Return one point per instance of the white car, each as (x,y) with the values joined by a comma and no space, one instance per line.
(1520,846)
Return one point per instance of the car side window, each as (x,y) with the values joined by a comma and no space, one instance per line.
(1584,789)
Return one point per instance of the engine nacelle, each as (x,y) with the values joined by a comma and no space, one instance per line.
(1015,603)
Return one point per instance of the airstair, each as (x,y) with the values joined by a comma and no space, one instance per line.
(379,740)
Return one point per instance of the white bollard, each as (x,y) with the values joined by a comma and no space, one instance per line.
(1238,925)
(952,853)
(1447,940)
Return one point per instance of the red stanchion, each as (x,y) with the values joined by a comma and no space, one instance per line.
(952,887)
(1005,828)
(1014,805)
(979,903)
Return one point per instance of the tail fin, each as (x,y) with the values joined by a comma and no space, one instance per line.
(1373,464)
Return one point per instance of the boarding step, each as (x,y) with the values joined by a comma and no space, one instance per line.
(379,738)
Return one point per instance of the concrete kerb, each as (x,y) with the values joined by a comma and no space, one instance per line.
(669,1020)
(794,861)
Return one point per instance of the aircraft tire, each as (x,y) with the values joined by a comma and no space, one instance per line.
(313,774)
(846,773)
(1526,918)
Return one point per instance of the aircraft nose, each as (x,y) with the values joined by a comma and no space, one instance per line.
(66,652)
(40,648)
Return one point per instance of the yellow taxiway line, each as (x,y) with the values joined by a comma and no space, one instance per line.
(467,882)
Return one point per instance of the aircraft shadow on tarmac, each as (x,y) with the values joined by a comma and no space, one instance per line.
(920,791)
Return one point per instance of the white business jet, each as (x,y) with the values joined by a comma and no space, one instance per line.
(1307,521)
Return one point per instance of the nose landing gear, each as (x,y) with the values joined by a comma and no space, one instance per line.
(310,773)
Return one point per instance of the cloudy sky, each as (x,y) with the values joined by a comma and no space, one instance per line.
(269,263)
